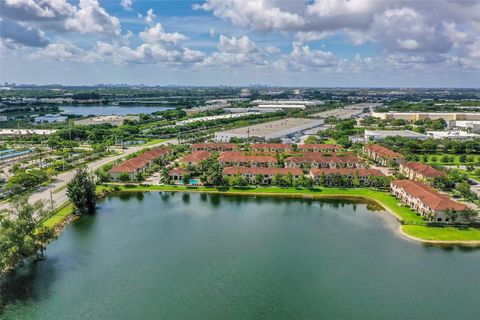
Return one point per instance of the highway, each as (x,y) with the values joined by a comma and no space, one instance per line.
(54,199)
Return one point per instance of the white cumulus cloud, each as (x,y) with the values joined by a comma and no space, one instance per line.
(90,17)
(126,4)
(157,34)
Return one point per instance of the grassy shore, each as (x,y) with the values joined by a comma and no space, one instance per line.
(59,215)
(404,214)
(412,225)
(65,210)
(446,234)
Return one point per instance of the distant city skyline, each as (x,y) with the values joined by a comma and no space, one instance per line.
(317,43)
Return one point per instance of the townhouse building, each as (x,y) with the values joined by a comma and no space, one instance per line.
(381,155)
(425,200)
(251,173)
(419,172)
(325,148)
(217,147)
(330,176)
(271,147)
(317,160)
(177,174)
(195,157)
(139,164)
(235,159)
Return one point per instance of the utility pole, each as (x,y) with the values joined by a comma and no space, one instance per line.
(51,199)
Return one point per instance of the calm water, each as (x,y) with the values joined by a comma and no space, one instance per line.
(194,256)
(109,110)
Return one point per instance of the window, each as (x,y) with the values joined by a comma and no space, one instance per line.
(439,219)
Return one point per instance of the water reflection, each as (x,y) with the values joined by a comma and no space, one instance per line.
(186,198)
(125,196)
(139,196)
(165,196)
(215,200)
(20,286)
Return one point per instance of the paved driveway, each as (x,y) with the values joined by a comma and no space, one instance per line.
(47,194)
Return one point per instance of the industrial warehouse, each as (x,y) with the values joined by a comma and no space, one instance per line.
(285,128)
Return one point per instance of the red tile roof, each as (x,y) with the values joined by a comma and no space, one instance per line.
(423,169)
(178,172)
(261,146)
(240,157)
(382,151)
(216,146)
(319,146)
(196,156)
(428,196)
(319,158)
(125,167)
(347,172)
(264,171)
(140,161)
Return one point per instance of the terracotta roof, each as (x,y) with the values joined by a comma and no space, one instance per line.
(319,146)
(146,156)
(428,196)
(264,171)
(124,167)
(423,169)
(319,158)
(196,156)
(158,152)
(139,161)
(382,151)
(347,172)
(240,157)
(284,146)
(214,146)
(178,172)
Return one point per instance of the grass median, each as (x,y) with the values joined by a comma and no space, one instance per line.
(58,216)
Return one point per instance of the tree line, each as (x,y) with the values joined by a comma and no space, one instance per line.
(23,234)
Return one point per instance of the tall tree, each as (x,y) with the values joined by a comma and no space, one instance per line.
(22,236)
(81,192)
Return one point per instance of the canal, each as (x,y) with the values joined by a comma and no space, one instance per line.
(202,256)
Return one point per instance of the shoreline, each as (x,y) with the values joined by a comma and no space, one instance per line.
(369,196)
(303,195)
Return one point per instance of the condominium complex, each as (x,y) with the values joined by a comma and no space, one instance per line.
(382,155)
(425,200)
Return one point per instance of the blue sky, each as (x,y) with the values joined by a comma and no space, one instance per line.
(427,43)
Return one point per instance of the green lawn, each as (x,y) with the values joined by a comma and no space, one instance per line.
(455,159)
(442,234)
(59,216)
(330,141)
(154,141)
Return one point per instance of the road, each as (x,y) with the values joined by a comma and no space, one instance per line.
(53,199)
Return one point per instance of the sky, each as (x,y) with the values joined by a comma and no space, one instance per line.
(323,43)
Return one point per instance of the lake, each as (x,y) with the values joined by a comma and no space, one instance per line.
(206,256)
(99,110)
